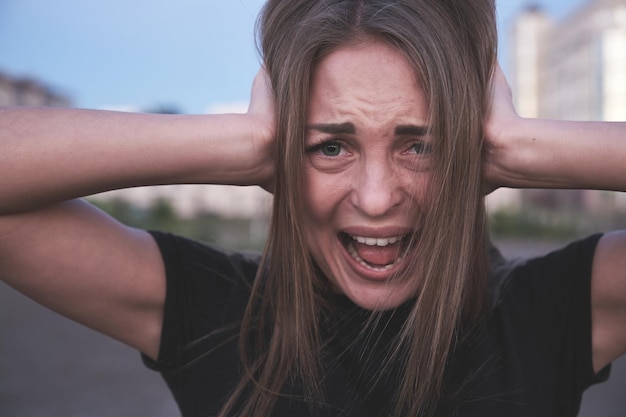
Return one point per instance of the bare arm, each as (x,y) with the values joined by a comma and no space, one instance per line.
(560,154)
(72,257)
(51,155)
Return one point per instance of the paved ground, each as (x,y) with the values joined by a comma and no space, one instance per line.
(50,367)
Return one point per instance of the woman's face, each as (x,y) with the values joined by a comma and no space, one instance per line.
(366,171)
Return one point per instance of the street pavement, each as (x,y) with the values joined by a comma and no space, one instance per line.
(51,367)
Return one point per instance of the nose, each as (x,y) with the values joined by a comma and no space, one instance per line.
(377,190)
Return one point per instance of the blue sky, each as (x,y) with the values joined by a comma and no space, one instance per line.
(192,54)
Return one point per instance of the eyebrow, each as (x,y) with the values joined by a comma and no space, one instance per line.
(348,128)
(334,128)
(411,130)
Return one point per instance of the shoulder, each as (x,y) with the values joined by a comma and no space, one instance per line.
(556,273)
(207,291)
(540,324)
(194,259)
(545,294)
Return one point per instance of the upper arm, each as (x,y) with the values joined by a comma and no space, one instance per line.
(83,264)
(608,299)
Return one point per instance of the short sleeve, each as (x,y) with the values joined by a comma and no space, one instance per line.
(206,293)
(549,305)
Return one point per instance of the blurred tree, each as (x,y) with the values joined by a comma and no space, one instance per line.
(164,108)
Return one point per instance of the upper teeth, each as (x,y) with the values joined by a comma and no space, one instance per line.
(372,241)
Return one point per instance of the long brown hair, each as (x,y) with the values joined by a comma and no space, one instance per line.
(451,44)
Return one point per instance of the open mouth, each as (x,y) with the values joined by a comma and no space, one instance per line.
(377,254)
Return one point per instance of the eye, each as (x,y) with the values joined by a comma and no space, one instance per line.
(330,155)
(416,154)
(421,148)
(330,148)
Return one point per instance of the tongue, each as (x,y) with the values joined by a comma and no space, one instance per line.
(378,255)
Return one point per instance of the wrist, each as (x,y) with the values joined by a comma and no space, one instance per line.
(246,148)
(510,151)
(263,134)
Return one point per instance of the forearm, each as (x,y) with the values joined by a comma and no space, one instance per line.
(533,153)
(50,155)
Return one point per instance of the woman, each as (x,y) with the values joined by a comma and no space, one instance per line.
(375,276)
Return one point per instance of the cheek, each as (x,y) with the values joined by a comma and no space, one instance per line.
(317,221)
(312,190)
(416,187)
(323,194)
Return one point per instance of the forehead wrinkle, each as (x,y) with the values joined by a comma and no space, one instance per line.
(371,86)
(379,118)
(356,101)
(366,103)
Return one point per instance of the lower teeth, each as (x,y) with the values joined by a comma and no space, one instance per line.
(355,255)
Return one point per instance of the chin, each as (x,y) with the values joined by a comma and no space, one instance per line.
(379,296)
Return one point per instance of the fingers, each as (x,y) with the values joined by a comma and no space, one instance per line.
(501,112)
(262,97)
(262,105)
(500,88)
(500,117)
(262,112)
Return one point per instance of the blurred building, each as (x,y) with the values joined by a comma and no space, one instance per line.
(29,92)
(574,69)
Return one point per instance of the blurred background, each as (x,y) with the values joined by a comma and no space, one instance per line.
(564,59)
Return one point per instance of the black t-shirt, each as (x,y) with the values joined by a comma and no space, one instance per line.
(531,355)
